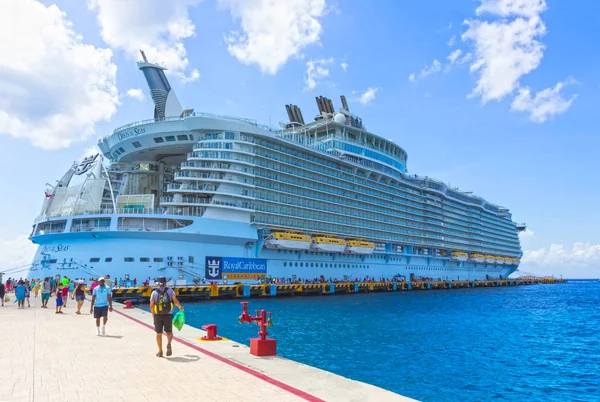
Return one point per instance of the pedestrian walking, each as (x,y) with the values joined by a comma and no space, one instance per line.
(65,293)
(46,290)
(59,299)
(79,296)
(2,292)
(161,306)
(27,293)
(72,290)
(101,305)
(36,288)
(20,294)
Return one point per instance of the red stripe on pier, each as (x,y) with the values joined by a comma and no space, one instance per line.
(272,381)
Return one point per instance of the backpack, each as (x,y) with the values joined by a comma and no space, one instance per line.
(163,303)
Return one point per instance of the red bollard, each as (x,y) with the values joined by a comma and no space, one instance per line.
(211,333)
(128,304)
(262,346)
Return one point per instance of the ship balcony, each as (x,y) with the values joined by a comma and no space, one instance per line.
(216,167)
(172,201)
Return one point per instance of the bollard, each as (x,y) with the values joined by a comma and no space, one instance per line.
(128,304)
(211,333)
(262,346)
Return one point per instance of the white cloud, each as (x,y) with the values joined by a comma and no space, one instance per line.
(452,41)
(156,26)
(273,30)
(316,71)
(544,104)
(344,66)
(507,8)
(135,93)
(54,87)
(17,254)
(581,260)
(452,57)
(368,96)
(526,234)
(504,52)
(434,68)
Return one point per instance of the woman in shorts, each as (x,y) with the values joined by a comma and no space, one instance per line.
(65,294)
(79,296)
(59,299)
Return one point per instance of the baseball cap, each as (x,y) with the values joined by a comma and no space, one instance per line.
(101,279)
(161,280)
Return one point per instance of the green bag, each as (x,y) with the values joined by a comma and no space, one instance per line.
(179,320)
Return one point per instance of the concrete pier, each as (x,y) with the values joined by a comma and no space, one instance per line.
(58,357)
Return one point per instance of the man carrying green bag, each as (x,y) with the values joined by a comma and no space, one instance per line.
(161,306)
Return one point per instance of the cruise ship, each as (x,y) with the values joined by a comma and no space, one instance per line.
(199,197)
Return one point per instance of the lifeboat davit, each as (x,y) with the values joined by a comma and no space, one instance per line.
(329,244)
(360,247)
(288,241)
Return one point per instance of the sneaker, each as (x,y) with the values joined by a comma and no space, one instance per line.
(97,331)
(103,330)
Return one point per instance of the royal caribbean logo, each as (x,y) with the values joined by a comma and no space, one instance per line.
(213,268)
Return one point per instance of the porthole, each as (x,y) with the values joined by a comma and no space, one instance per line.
(301,265)
(285,264)
(296,264)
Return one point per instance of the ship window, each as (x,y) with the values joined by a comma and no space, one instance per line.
(158,140)
(191,137)
(229,135)
(182,137)
(121,149)
(170,138)
(136,144)
(191,259)
(108,259)
(301,264)
(296,264)
(52,261)
(128,259)
(158,259)
(94,259)
(144,259)
(285,264)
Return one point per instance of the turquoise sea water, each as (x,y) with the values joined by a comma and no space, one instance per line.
(520,343)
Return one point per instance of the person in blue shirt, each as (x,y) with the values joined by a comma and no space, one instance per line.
(101,305)
(20,294)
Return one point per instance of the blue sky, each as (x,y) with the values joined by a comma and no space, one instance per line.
(491,119)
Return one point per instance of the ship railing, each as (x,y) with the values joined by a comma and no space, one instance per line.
(118,211)
(251,122)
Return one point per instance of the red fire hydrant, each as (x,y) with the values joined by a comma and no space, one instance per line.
(262,346)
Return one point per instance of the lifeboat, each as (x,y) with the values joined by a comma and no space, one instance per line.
(515,261)
(459,256)
(500,260)
(288,241)
(329,244)
(490,259)
(476,257)
(360,247)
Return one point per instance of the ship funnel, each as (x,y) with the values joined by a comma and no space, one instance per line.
(295,114)
(165,101)
(344,103)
